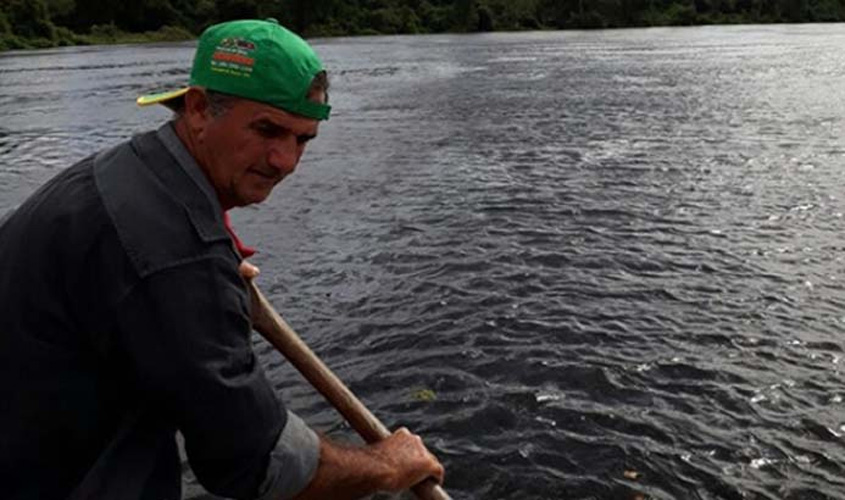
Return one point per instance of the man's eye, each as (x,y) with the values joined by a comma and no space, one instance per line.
(266,130)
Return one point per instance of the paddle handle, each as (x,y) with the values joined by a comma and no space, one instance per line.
(272,327)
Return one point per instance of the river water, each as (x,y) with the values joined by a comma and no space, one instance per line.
(584,265)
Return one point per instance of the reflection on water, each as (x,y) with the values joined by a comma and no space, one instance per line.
(611,260)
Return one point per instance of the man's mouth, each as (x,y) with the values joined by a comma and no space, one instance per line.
(270,176)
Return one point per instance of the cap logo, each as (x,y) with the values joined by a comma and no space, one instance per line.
(233,56)
(237,42)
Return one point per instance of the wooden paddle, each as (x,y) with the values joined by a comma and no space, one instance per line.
(273,328)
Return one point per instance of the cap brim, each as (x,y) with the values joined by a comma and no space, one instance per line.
(166,98)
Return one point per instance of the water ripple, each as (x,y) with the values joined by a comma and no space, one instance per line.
(587,265)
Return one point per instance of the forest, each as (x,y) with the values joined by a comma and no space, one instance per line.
(49,23)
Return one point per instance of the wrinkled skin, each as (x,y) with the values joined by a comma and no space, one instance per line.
(246,150)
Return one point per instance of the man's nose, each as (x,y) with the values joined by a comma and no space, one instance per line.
(284,155)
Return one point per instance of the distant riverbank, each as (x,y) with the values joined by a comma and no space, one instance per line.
(100,35)
(111,35)
(29,24)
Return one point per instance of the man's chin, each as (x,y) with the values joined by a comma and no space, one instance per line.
(252,198)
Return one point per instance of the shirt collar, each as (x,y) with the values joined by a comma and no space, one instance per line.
(174,145)
(167,135)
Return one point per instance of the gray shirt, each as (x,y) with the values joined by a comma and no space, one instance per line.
(293,462)
(125,320)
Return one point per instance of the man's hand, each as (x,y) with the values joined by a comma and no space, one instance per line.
(248,271)
(410,461)
(394,464)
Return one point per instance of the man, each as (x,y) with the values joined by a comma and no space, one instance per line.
(125,317)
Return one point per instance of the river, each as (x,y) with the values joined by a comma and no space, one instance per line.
(583,265)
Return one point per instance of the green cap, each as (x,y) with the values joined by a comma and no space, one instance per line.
(257,60)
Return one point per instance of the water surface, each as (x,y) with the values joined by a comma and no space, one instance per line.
(603,252)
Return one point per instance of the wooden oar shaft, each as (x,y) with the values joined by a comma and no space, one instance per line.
(273,328)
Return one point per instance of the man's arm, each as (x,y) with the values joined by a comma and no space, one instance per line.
(185,332)
(395,464)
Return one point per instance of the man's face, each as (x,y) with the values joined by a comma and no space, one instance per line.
(251,147)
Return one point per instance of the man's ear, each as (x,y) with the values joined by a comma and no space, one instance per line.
(197,112)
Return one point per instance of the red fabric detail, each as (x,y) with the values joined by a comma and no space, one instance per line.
(245,251)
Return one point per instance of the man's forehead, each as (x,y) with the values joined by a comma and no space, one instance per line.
(259,111)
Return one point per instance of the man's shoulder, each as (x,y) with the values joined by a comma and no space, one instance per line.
(160,215)
(68,202)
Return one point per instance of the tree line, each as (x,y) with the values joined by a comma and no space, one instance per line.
(47,23)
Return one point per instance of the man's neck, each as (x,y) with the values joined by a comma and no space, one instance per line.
(180,126)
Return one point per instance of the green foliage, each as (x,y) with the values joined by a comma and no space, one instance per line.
(30,19)
(795,10)
(66,37)
(680,15)
(410,21)
(507,15)
(589,19)
(89,13)
(109,33)
(485,19)
(60,9)
(5,27)
(171,34)
(464,16)
(384,21)
(106,32)
(12,42)
(40,23)
(827,11)
(437,18)
(40,43)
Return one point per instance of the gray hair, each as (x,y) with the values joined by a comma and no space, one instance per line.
(218,104)
(320,84)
